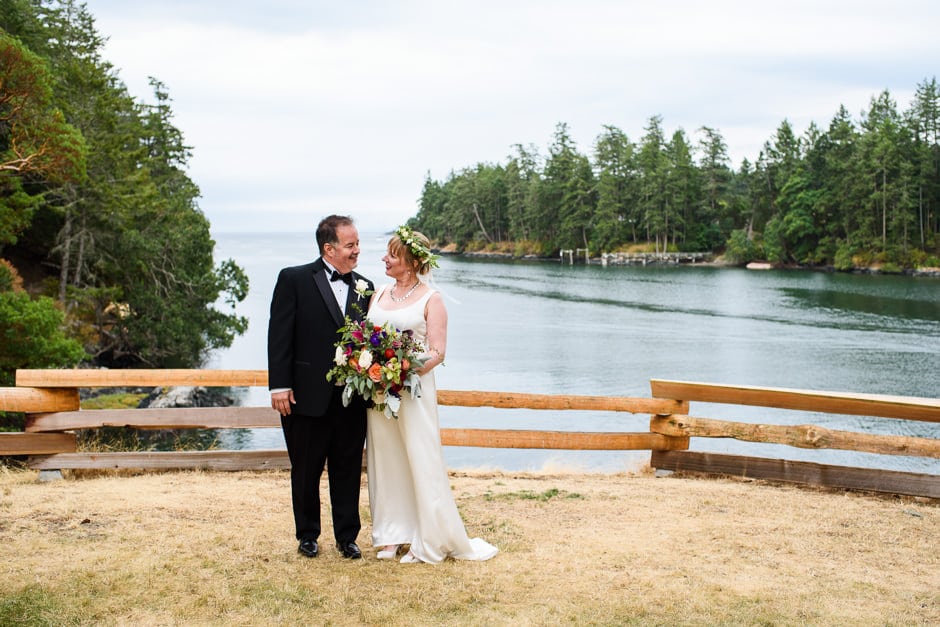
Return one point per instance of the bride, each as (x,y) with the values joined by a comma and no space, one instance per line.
(409,490)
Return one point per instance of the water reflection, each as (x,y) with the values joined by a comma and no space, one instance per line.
(840,301)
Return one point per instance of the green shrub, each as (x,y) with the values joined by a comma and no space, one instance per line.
(10,279)
(740,249)
(844,257)
(31,336)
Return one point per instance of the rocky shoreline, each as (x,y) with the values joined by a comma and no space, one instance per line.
(187,396)
(163,397)
(690,259)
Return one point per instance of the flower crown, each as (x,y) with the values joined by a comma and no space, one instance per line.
(418,250)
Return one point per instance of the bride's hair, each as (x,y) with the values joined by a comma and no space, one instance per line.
(414,248)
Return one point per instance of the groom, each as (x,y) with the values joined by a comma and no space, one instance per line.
(307,308)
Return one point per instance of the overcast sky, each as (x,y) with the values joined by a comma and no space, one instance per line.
(296,109)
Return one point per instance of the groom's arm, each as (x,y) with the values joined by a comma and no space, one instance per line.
(280,334)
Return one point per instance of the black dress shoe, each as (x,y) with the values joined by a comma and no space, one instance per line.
(309,548)
(349,550)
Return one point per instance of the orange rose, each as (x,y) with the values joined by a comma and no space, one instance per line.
(375,372)
(354,363)
(405,364)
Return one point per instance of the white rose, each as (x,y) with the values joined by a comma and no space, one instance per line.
(340,357)
(365,360)
(361,287)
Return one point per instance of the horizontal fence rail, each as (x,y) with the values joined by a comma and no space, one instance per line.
(890,481)
(177,460)
(163,418)
(50,400)
(904,407)
(505,438)
(517,400)
(102,378)
(37,399)
(800,436)
(36,443)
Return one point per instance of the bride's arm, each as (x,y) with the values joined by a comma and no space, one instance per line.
(436,315)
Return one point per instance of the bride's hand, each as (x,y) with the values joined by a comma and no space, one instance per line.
(431,359)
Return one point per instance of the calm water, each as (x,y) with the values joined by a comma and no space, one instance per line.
(552,328)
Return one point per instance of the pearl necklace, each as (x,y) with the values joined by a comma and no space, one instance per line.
(391,293)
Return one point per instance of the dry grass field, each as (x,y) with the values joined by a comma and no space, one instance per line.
(200,548)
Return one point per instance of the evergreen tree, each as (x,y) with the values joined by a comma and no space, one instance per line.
(923,120)
(617,182)
(838,150)
(706,231)
(569,186)
(653,165)
(847,195)
(136,274)
(882,166)
(682,188)
(430,217)
(37,147)
(522,180)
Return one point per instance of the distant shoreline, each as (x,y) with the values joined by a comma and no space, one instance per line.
(655,259)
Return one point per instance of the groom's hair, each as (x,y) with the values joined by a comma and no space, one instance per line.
(326,230)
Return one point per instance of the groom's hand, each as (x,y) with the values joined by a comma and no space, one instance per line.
(281,401)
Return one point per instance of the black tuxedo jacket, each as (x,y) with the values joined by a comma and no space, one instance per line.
(302,332)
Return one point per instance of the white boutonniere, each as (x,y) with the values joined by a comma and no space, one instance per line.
(362,288)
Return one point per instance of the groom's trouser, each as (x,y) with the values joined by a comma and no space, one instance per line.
(334,440)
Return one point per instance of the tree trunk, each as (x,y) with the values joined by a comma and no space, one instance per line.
(920,215)
(66,250)
(884,209)
(480,222)
(83,235)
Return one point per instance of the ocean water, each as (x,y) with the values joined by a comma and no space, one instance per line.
(553,328)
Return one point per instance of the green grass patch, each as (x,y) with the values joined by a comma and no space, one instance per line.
(123,400)
(529,495)
(32,606)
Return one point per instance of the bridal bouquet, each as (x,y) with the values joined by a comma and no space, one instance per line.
(377,362)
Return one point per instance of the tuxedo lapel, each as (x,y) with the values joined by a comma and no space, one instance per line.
(326,292)
(355,304)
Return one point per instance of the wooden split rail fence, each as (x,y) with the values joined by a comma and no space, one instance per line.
(50,400)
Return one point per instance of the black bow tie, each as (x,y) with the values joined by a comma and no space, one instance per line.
(345,278)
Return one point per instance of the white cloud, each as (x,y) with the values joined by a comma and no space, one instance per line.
(296,107)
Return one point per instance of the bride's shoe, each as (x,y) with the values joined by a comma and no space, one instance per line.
(389,551)
(410,558)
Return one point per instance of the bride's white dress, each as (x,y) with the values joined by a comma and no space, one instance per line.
(409,490)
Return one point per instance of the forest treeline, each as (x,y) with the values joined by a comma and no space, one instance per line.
(105,256)
(858,193)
